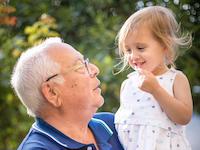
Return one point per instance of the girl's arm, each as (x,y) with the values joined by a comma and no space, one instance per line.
(178,108)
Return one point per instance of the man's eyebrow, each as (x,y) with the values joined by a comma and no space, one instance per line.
(81,59)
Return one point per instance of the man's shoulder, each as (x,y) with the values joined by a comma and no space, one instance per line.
(107,119)
(101,125)
(36,140)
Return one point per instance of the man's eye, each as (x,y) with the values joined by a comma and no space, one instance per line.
(81,69)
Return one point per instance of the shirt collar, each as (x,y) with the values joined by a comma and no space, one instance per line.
(100,130)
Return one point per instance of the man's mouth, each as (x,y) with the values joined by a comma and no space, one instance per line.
(98,86)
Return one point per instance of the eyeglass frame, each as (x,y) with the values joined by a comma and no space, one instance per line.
(85,63)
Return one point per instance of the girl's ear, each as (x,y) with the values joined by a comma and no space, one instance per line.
(51,94)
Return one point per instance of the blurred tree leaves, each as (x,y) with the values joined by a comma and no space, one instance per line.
(13,43)
(45,27)
(88,25)
(5,18)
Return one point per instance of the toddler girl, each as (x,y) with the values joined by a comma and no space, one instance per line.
(155,99)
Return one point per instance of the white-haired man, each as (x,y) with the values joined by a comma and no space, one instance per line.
(61,90)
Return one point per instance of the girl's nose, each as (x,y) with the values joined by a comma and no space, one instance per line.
(133,56)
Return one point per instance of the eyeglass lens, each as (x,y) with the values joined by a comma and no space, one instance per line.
(87,66)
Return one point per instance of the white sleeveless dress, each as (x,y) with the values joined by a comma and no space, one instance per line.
(140,121)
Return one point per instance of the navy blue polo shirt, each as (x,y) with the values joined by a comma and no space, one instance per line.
(43,136)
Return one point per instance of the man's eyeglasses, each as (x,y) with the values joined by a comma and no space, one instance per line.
(85,64)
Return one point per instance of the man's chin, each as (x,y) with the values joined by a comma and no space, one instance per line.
(100,102)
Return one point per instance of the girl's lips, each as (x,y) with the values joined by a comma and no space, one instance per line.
(138,64)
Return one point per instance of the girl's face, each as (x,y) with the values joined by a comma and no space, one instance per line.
(144,51)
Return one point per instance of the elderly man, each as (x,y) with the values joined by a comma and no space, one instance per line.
(61,90)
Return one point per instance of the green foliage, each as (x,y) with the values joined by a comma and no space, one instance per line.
(90,26)
(12,44)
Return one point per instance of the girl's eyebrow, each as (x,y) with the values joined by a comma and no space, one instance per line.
(138,43)
(135,44)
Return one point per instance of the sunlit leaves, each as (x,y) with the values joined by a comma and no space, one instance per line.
(5,18)
(45,27)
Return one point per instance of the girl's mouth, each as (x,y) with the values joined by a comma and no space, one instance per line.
(138,64)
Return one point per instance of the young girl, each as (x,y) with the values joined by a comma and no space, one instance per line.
(155,100)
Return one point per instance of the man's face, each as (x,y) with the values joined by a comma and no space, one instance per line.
(80,90)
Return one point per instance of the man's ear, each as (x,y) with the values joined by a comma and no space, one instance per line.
(51,94)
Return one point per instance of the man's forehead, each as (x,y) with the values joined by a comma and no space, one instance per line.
(55,47)
(64,53)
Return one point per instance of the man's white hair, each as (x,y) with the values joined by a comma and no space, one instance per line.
(32,69)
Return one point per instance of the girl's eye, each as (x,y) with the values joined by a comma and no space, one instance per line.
(141,48)
(128,51)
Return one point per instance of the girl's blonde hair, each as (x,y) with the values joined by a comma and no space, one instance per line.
(164,27)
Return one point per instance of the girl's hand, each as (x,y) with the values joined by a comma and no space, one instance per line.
(149,82)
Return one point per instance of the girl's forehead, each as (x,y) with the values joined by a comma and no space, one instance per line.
(139,32)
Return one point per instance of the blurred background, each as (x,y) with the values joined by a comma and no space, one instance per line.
(91,27)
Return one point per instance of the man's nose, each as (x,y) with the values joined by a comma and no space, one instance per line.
(94,70)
